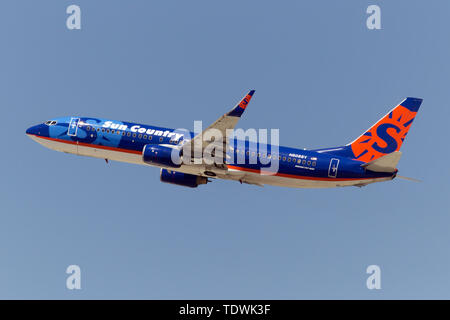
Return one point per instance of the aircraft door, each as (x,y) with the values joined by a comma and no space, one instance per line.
(73,127)
(72,132)
(333,168)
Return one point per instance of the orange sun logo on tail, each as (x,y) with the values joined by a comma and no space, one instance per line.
(388,134)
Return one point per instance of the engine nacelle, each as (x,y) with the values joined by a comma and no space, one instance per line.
(161,156)
(182,179)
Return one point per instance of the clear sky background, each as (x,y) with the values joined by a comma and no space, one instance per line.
(320,76)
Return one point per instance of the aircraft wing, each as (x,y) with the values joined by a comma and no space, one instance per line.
(227,121)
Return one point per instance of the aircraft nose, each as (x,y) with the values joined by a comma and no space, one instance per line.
(32,130)
(38,130)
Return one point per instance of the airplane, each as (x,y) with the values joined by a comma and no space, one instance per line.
(371,157)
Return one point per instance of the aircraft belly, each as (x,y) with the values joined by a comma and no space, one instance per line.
(110,154)
(90,151)
(275,180)
(55,145)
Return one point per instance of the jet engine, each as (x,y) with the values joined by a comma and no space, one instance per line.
(161,156)
(182,179)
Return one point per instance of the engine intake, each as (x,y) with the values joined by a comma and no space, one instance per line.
(161,156)
(182,179)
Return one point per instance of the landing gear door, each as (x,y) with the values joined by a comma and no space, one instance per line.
(333,168)
(73,127)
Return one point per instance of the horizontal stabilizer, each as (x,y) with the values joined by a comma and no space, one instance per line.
(387,163)
(408,178)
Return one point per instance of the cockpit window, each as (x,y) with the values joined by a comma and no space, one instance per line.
(51,122)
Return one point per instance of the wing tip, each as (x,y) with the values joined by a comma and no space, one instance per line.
(238,110)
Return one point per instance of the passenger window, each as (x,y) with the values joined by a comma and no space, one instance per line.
(107,130)
(304,162)
(112,131)
(123,133)
(134,135)
(88,128)
(309,163)
(314,163)
(284,158)
(128,134)
(103,130)
(161,139)
(145,136)
(149,137)
(140,136)
(289,159)
(98,129)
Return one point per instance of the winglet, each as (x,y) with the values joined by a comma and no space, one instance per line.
(239,109)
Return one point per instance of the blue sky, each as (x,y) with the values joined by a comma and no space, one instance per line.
(320,76)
